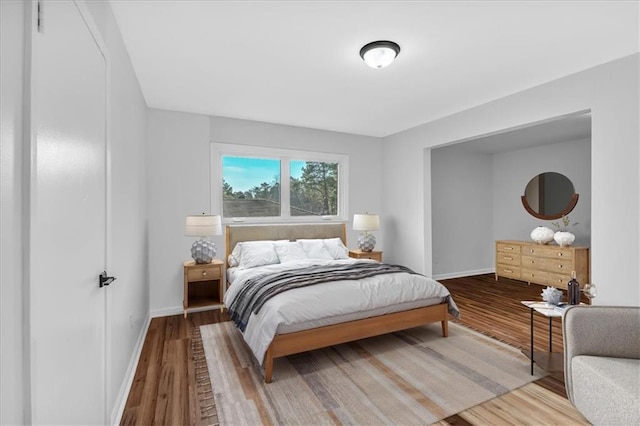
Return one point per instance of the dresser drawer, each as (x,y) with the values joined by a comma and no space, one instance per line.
(508,258)
(560,266)
(559,280)
(509,271)
(535,276)
(550,252)
(204,273)
(507,247)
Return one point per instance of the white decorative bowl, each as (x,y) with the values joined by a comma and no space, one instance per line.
(563,238)
(542,235)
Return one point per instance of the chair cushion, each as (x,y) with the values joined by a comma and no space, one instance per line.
(607,390)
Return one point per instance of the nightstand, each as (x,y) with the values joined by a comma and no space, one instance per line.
(202,284)
(359,254)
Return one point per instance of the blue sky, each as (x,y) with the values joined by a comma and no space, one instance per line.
(244,173)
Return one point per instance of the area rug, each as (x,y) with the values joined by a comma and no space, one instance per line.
(410,377)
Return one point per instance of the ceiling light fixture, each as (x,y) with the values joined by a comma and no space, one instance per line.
(379,54)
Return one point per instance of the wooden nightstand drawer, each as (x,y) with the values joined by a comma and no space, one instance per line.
(204,273)
(359,254)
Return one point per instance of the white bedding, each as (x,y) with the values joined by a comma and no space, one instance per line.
(329,303)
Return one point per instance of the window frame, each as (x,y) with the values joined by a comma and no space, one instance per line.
(219,150)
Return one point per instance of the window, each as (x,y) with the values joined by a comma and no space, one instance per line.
(265,184)
(313,188)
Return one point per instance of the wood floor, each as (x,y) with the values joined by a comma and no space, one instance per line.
(171,385)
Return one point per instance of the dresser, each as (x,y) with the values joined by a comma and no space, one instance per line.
(548,265)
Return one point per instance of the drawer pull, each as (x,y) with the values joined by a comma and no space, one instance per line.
(508,258)
(532,251)
(508,248)
(560,254)
(508,271)
(204,273)
(560,266)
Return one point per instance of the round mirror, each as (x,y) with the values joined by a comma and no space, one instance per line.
(549,196)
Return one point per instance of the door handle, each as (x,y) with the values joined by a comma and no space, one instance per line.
(104,280)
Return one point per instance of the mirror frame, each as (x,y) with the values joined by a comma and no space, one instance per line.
(566,211)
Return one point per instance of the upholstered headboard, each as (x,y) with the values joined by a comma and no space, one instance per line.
(239,233)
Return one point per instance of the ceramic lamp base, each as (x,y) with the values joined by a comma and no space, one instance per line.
(366,241)
(203,251)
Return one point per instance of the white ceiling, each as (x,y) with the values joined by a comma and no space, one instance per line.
(297,62)
(570,128)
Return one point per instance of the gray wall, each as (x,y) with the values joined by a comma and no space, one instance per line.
(461,210)
(179,183)
(476,200)
(12,371)
(610,92)
(512,171)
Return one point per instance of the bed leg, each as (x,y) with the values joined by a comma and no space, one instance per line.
(268,366)
(445,327)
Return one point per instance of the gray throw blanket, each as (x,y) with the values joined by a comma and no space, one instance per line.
(257,291)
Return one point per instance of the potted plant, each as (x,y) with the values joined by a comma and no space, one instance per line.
(562,236)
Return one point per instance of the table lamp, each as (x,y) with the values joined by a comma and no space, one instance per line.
(366,222)
(203,250)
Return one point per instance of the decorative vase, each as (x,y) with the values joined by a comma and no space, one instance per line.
(542,235)
(366,241)
(564,238)
(551,295)
(203,251)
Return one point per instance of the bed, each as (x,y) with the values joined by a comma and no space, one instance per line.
(312,316)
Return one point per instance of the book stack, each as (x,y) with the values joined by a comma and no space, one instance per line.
(561,307)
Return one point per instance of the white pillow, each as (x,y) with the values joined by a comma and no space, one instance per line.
(257,253)
(234,257)
(290,251)
(316,249)
(337,248)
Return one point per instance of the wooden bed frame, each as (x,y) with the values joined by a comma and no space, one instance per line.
(321,337)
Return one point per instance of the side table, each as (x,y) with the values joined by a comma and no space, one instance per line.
(202,285)
(550,361)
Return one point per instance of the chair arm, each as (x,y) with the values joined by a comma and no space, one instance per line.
(609,331)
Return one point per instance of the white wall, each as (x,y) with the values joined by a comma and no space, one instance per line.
(128,297)
(11,320)
(179,173)
(129,251)
(610,91)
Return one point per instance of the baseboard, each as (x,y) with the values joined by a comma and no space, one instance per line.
(177,310)
(121,400)
(464,274)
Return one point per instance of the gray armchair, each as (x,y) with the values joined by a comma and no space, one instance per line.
(602,363)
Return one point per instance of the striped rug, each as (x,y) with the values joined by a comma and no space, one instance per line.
(409,377)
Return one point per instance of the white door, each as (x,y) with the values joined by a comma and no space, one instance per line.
(68,221)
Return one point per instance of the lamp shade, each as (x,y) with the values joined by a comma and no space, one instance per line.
(203,226)
(366,222)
